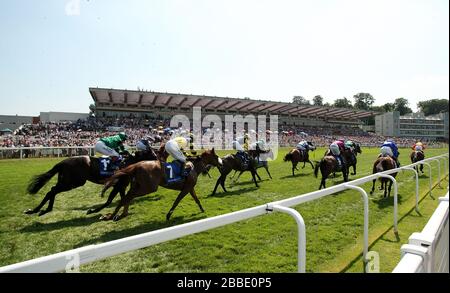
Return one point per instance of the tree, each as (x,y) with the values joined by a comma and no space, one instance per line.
(401,105)
(388,107)
(300,100)
(318,101)
(342,103)
(380,109)
(434,106)
(92,109)
(363,101)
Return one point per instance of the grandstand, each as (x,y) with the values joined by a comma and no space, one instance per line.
(148,104)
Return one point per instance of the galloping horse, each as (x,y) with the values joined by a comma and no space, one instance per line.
(261,163)
(383,164)
(232,162)
(74,172)
(417,156)
(329,165)
(295,156)
(147,176)
(349,156)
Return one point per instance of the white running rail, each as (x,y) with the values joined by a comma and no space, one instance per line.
(60,262)
(427,251)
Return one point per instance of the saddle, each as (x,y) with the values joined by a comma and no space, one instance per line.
(244,158)
(175,172)
(108,166)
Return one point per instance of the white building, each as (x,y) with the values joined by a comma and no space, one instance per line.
(61,116)
(416,125)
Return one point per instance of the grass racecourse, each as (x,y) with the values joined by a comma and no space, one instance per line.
(334,224)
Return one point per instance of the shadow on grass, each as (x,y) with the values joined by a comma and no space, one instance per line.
(296,175)
(76,222)
(247,182)
(384,202)
(234,192)
(146,227)
(116,200)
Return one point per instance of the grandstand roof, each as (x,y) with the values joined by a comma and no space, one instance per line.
(144,99)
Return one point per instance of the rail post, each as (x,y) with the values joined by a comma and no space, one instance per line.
(366,219)
(417,184)
(301,258)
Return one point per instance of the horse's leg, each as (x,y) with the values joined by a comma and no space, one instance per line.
(257,175)
(312,165)
(111,196)
(254,177)
(294,167)
(373,186)
(385,189)
(217,184)
(180,196)
(194,196)
(222,182)
(267,170)
(50,196)
(390,186)
(304,163)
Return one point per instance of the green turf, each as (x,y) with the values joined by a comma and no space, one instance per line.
(263,244)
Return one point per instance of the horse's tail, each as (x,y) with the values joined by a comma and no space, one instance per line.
(288,157)
(317,167)
(38,181)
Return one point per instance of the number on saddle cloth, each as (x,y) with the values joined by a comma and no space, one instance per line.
(173,172)
(106,167)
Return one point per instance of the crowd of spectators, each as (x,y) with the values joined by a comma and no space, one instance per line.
(87,132)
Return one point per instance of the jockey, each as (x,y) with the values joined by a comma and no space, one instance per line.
(112,146)
(242,145)
(418,146)
(143,144)
(336,148)
(390,148)
(175,147)
(303,147)
(349,144)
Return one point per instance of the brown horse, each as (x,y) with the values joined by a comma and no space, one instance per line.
(259,163)
(329,165)
(232,162)
(74,172)
(349,156)
(295,156)
(417,156)
(380,165)
(147,176)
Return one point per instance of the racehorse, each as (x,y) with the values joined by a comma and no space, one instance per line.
(417,156)
(328,165)
(349,156)
(232,162)
(384,163)
(74,172)
(147,176)
(261,163)
(295,156)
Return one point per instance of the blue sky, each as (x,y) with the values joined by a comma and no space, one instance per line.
(51,52)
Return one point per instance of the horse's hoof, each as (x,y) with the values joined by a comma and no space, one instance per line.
(116,218)
(168,216)
(41,213)
(28,212)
